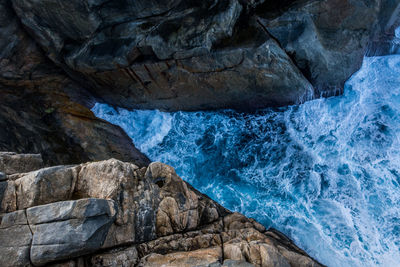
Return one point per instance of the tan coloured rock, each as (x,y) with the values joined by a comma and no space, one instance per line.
(182,208)
(103,179)
(201,257)
(115,180)
(119,258)
(148,216)
(46,186)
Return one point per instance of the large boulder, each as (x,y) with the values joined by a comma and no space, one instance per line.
(45,186)
(113,213)
(188,55)
(63,230)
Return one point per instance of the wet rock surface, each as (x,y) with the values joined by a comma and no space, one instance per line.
(113,213)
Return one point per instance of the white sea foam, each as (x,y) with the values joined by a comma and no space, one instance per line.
(326,173)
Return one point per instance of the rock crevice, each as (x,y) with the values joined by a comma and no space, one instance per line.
(119,213)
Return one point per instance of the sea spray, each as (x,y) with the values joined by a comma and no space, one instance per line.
(326,173)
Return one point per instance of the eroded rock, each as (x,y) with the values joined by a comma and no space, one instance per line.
(69,229)
(15,239)
(185,55)
(123,215)
(46,186)
(328,39)
(202,257)
(11,163)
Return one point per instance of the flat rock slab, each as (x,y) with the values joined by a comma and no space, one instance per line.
(69,229)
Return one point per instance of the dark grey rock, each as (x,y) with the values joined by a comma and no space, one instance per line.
(11,163)
(3,176)
(235,263)
(8,197)
(15,240)
(43,111)
(384,41)
(68,229)
(328,39)
(187,55)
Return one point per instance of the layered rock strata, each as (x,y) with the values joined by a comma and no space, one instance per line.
(112,213)
(191,55)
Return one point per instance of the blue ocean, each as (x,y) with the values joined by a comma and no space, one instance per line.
(326,173)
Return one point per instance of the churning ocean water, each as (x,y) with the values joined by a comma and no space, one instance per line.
(326,173)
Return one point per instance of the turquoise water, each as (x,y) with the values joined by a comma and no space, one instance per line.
(326,173)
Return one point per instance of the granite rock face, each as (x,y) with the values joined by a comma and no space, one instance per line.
(43,111)
(113,213)
(67,229)
(188,55)
(328,39)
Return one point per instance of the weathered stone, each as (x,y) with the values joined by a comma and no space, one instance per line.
(119,258)
(8,197)
(46,186)
(77,262)
(181,208)
(68,229)
(201,257)
(3,176)
(270,256)
(104,179)
(327,39)
(235,263)
(180,242)
(15,240)
(43,111)
(189,55)
(116,180)
(11,163)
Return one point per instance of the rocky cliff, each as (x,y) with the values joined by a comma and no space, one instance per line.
(190,55)
(112,213)
(57,58)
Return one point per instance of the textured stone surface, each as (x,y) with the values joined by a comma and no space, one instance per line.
(3,176)
(68,229)
(15,240)
(234,263)
(45,186)
(43,111)
(202,257)
(8,196)
(113,213)
(11,163)
(119,258)
(328,39)
(176,55)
